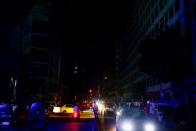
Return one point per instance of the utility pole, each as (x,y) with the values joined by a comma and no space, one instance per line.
(13,86)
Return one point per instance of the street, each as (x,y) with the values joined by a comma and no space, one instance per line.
(81,125)
(87,122)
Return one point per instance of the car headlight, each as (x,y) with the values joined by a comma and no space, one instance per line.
(127,126)
(118,113)
(56,109)
(149,127)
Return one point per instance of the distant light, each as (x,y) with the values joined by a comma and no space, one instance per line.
(5,123)
(90,90)
(76,67)
(127,126)
(118,113)
(56,109)
(75,72)
(105,77)
(149,127)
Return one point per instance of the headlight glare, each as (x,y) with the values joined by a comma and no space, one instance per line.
(118,113)
(149,127)
(127,126)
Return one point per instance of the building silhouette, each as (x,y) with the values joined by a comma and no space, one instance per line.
(148,20)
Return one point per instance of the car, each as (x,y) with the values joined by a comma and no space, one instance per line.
(37,119)
(67,108)
(47,107)
(7,118)
(110,107)
(135,120)
(56,109)
(84,106)
(166,113)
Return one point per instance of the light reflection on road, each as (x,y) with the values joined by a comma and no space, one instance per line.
(91,125)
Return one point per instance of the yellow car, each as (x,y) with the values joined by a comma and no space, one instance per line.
(67,108)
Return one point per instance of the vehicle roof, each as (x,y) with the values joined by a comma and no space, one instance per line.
(5,107)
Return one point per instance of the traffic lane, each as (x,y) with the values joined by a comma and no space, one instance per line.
(78,125)
(60,122)
(108,124)
(60,116)
(108,121)
(65,122)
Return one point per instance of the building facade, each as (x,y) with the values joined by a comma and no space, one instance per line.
(15,32)
(147,19)
(38,62)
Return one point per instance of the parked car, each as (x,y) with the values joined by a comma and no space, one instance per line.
(7,118)
(37,119)
(110,107)
(135,120)
(67,108)
(84,106)
(165,113)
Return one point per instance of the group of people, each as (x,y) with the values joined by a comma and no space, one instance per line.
(94,107)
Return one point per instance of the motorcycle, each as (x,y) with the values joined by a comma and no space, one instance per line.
(76,115)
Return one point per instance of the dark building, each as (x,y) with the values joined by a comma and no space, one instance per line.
(61,52)
(150,19)
(39,55)
(15,30)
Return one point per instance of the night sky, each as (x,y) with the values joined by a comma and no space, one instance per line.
(88,31)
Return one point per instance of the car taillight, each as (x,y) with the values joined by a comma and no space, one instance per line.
(75,114)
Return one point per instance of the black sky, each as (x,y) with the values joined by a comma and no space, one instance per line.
(89,30)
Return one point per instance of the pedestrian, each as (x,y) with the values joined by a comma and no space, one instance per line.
(95,109)
(76,108)
(76,111)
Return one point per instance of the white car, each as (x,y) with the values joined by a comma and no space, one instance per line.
(56,109)
(66,108)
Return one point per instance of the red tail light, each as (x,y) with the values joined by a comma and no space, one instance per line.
(75,114)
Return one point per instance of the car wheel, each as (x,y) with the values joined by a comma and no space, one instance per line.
(64,112)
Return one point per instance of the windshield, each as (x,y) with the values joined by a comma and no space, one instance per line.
(135,114)
(5,109)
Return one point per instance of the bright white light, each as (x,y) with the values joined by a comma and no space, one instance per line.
(56,109)
(100,105)
(105,77)
(6,123)
(118,113)
(149,127)
(127,126)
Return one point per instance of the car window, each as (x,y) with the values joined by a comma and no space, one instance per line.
(69,105)
(135,114)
